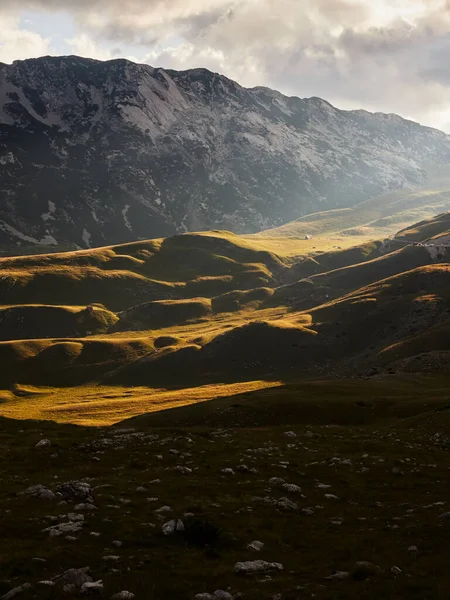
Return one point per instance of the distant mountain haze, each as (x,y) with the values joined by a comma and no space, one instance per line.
(95,153)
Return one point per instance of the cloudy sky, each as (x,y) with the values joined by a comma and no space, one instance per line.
(382,55)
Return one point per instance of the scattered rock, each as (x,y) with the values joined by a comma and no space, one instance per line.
(85,506)
(16,591)
(290,434)
(276,481)
(256,566)
(172,526)
(39,491)
(75,490)
(413,549)
(182,470)
(163,509)
(124,595)
(43,444)
(66,527)
(338,576)
(227,471)
(77,577)
(222,595)
(92,586)
(291,487)
(286,504)
(242,468)
(396,570)
(256,545)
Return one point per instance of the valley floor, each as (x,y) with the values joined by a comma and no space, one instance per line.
(354,512)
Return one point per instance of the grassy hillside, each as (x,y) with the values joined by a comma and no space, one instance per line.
(119,277)
(213,309)
(379,217)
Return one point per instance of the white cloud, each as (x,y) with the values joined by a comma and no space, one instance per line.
(83,45)
(17,43)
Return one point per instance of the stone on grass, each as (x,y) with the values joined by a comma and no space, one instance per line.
(85,506)
(222,595)
(291,487)
(227,471)
(16,591)
(256,566)
(286,504)
(182,470)
(172,526)
(43,444)
(66,527)
(256,545)
(338,576)
(92,586)
(276,481)
(75,491)
(242,468)
(39,491)
(77,577)
(163,509)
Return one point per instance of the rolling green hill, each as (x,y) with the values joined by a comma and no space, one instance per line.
(214,311)
(379,216)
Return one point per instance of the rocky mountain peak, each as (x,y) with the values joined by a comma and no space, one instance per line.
(98,152)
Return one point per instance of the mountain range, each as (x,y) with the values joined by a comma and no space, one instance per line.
(95,153)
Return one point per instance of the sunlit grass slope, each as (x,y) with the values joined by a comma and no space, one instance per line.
(106,405)
(119,277)
(372,219)
(200,315)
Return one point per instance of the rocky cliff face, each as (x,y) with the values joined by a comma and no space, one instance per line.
(94,152)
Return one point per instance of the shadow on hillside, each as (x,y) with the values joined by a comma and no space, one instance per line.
(316,402)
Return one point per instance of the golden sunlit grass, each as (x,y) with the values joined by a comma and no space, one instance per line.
(372,219)
(105,405)
(212,310)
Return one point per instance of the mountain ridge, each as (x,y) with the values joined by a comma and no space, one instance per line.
(95,153)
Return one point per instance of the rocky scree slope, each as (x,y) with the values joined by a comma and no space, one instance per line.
(94,153)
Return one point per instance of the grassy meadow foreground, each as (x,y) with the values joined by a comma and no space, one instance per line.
(350,500)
